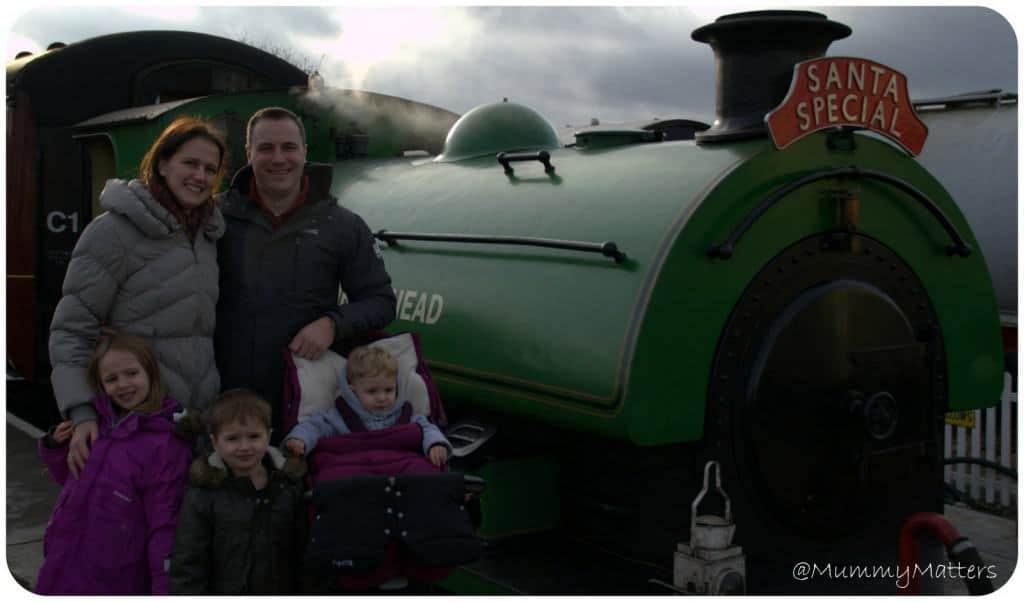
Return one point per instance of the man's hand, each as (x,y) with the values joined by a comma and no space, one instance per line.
(314,338)
(296,446)
(82,439)
(438,455)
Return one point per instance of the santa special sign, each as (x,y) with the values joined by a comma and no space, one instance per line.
(846,91)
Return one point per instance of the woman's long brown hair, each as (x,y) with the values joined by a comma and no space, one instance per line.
(180,131)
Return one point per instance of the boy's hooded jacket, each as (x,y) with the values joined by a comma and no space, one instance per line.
(112,529)
(233,539)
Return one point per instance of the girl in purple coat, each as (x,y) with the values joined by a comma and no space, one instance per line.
(112,530)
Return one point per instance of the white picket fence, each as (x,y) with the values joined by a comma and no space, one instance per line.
(994,439)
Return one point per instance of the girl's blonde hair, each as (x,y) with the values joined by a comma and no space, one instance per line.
(136,346)
(237,405)
(369,361)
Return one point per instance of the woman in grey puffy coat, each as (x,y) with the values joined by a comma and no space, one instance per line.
(148,266)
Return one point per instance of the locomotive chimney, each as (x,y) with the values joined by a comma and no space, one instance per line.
(754,57)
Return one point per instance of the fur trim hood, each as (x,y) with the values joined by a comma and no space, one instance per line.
(211,472)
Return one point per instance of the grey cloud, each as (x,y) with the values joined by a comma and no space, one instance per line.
(941,50)
(88,22)
(271,22)
(617,64)
(571,64)
(262,26)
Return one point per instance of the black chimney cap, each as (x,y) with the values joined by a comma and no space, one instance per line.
(741,23)
(755,53)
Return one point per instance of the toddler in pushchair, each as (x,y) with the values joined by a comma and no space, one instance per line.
(385,511)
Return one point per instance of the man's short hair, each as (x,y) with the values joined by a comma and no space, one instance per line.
(238,405)
(277,113)
(370,361)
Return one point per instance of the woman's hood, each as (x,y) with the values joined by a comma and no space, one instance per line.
(133,201)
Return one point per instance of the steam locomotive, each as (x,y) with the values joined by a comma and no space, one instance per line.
(605,317)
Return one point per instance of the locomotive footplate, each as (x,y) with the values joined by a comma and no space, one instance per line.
(556,563)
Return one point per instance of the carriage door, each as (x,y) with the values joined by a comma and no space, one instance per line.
(97,167)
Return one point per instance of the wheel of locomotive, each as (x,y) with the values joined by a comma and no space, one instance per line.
(825,406)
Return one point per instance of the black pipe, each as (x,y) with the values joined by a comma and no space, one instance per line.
(726,249)
(964,554)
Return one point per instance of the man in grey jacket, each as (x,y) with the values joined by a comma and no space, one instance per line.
(287,249)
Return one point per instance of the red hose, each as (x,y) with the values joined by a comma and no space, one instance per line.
(958,548)
(922,522)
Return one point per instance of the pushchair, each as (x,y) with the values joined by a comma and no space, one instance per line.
(381,515)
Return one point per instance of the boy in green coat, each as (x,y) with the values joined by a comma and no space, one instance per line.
(242,527)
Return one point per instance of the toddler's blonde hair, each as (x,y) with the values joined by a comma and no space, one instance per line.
(370,361)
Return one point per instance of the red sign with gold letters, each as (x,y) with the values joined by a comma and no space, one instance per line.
(846,91)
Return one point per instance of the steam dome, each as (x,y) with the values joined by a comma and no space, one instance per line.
(495,128)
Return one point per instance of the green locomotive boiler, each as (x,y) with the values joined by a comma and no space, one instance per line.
(619,311)
(605,317)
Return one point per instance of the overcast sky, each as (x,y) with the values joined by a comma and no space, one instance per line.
(570,63)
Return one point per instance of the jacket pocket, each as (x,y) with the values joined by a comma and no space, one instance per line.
(119,527)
